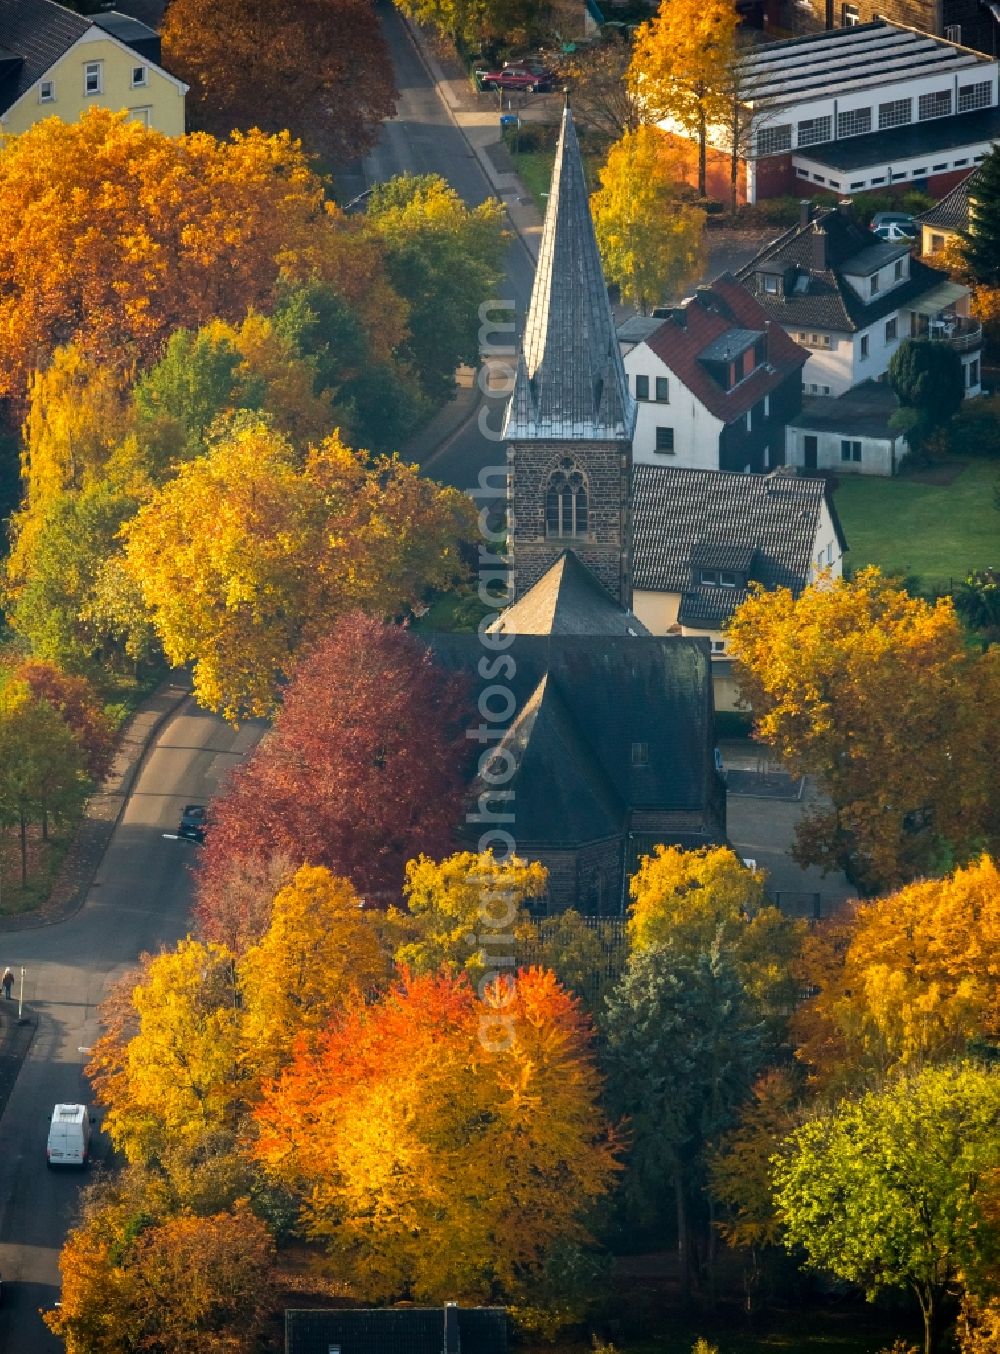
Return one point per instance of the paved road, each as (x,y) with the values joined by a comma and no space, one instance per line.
(140,901)
(422,139)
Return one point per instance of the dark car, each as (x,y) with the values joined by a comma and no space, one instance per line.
(194,820)
(528,78)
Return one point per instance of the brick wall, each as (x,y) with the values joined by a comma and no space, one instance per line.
(606,549)
(979,29)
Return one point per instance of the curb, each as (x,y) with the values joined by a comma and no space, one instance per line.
(86,851)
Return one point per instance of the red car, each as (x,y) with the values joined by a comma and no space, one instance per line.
(518,77)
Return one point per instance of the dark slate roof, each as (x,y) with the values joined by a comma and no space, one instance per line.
(863,411)
(731,344)
(952,212)
(638,327)
(39,32)
(679,512)
(132,32)
(722,555)
(821,298)
(570,381)
(562,796)
(935,137)
(613,691)
(392,1330)
(568,600)
(725,308)
(875,257)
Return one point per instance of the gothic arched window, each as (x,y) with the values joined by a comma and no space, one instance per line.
(566,500)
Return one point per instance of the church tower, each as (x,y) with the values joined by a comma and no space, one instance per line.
(570,419)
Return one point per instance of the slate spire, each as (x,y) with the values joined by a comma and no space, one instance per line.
(570,380)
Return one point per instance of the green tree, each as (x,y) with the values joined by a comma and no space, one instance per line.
(445,259)
(884,1191)
(682,1048)
(981,241)
(929,382)
(650,238)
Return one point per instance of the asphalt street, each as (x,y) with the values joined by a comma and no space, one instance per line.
(422,139)
(139,901)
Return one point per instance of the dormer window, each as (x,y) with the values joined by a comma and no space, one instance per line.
(718,578)
(771,284)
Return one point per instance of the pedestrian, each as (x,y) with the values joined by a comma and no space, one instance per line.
(8,981)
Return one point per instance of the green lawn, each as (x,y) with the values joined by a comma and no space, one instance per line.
(937,532)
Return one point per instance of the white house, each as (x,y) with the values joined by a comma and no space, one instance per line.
(851,299)
(714,381)
(852,435)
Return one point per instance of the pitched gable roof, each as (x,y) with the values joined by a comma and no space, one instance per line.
(392,1330)
(819,297)
(952,212)
(683,517)
(570,382)
(568,599)
(39,32)
(692,333)
(561,793)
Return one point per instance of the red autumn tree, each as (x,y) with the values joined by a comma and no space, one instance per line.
(362,772)
(320,67)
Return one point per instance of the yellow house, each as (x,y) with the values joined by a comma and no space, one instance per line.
(57,63)
(942,224)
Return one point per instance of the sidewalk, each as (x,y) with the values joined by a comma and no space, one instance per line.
(104,809)
(477,116)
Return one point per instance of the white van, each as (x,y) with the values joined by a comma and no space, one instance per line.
(69,1136)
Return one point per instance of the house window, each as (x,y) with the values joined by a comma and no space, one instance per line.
(897,271)
(46,92)
(979,95)
(728,579)
(972,371)
(812,130)
(937,243)
(849,16)
(139,115)
(718,646)
(890,330)
(662,390)
(640,754)
(936,105)
(566,500)
(93,77)
(708,578)
(642,387)
(864,347)
(873,284)
(895,113)
(140,77)
(953,33)
(770,140)
(665,440)
(855,122)
(770,283)
(849,451)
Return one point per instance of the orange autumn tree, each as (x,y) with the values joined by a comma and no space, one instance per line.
(873,692)
(117,235)
(434,1158)
(913,977)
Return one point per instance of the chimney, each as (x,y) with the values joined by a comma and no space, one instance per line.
(818,250)
(845,206)
(805,211)
(452,1339)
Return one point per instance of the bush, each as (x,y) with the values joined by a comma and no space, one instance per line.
(773,211)
(975,430)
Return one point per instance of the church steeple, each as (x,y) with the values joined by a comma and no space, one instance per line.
(571,381)
(570,418)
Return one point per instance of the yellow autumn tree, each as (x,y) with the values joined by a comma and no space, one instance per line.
(651,240)
(873,692)
(913,977)
(319,951)
(682,64)
(461,906)
(168,1066)
(249,550)
(153,233)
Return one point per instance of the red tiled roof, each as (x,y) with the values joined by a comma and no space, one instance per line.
(712,313)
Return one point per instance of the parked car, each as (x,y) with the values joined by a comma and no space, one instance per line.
(194,821)
(517,77)
(903,221)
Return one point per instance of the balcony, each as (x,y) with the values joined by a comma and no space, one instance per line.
(959,332)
